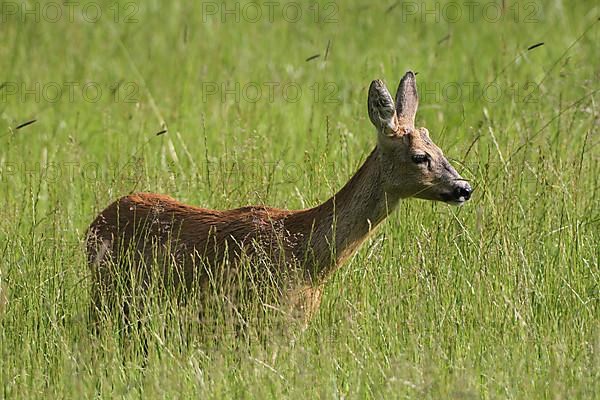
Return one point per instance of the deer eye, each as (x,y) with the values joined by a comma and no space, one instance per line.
(420,158)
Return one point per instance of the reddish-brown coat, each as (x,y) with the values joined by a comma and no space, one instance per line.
(307,244)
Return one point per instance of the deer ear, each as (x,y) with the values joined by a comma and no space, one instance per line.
(407,99)
(381,108)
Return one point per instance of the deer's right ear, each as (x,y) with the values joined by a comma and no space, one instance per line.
(381,108)
(407,99)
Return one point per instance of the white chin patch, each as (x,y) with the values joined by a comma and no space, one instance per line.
(459,202)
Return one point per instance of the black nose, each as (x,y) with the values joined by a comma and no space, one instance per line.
(464,190)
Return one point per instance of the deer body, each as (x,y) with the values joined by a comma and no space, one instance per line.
(302,247)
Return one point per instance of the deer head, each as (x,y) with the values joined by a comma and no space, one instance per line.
(411,164)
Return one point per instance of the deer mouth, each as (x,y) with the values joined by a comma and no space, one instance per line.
(452,199)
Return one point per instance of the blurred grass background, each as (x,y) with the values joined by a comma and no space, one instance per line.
(496,299)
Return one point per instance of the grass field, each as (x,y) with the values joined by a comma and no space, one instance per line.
(499,298)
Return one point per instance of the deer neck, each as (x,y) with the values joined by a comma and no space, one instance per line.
(342,223)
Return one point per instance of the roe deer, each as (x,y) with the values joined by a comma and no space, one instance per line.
(309,244)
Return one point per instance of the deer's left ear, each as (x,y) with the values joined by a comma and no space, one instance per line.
(382,112)
(407,100)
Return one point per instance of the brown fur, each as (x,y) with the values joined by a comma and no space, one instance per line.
(301,248)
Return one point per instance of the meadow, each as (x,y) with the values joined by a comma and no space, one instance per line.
(228,104)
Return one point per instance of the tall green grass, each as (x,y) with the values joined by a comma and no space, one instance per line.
(496,299)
